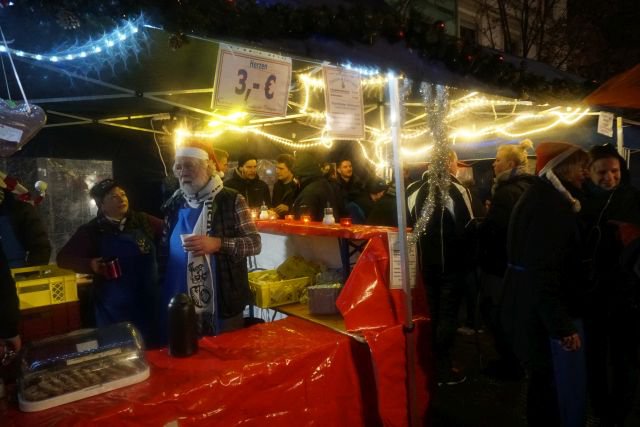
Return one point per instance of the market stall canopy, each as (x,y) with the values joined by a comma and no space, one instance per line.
(621,91)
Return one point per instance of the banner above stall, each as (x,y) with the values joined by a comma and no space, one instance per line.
(257,82)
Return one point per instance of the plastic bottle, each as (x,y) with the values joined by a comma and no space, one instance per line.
(183,334)
(264,211)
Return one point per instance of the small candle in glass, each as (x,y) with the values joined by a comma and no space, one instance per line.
(254,214)
(305,218)
(345,222)
(289,218)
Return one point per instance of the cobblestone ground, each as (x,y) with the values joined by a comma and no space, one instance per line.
(485,402)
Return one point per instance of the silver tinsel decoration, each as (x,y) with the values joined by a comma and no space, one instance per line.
(436,101)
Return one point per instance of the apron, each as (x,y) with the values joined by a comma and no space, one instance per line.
(16,254)
(176,274)
(133,296)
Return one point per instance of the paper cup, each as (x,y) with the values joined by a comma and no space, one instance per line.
(184,236)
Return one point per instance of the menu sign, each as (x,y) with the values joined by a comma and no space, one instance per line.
(343,100)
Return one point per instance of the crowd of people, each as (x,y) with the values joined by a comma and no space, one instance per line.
(546,247)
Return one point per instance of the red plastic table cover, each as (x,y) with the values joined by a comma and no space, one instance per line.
(356,232)
(370,308)
(290,372)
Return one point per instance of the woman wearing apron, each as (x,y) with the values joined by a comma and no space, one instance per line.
(119,248)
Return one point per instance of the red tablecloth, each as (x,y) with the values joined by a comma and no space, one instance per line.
(290,372)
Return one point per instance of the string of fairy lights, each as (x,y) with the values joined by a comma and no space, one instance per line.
(119,42)
(465,120)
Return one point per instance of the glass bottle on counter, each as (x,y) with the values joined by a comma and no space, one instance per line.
(264,211)
(328,215)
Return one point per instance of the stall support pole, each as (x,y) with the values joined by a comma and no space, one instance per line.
(395,115)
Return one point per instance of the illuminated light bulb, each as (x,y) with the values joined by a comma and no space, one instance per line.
(97,49)
(3,49)
(134,29)
(54,59)
(109,43)
(69,57)
(82,55)
(121,36)
(20,53)
(38,57)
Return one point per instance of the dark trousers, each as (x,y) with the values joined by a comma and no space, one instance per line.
(612,361)
(444,295)
(490,306)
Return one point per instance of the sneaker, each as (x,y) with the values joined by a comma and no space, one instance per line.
(465,330)
(453,377)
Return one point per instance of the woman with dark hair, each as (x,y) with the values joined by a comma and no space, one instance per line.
(612,316)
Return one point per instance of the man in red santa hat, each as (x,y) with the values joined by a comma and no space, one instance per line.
(544,287)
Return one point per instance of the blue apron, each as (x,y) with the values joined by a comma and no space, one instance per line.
(16,254)
(175,280)
(133,296)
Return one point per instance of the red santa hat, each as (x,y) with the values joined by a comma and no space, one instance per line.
(198,150)
(548,156)
(551,154)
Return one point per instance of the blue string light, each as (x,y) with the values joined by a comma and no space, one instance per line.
(122,39)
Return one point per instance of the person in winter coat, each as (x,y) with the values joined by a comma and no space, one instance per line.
(130,236)
(24,234)
(286,188)
(9,312)
(613,314)
(511,181)
(444,255)
(245,180)
(208,235)
(543,301)
(315,193)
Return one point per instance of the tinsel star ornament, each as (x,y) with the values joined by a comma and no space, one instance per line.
(436,101)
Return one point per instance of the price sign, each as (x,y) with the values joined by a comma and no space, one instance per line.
(343,99)
(256,81)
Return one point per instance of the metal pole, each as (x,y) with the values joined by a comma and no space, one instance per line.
(395,118)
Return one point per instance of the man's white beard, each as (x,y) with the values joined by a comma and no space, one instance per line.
(192,188)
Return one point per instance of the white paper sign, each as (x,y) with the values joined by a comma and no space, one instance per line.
(395,265)
(605,123)
(258,82)
(343,100)
(9,133)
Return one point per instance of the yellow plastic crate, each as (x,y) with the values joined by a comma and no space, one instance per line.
(44,285)
(274,293)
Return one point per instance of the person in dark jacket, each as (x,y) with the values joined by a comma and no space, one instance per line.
(9,312)
(286,188)
(130,236)
(245,180)
(208,235)
(376,187)
(612,317)
(384,212)
(315,193)
(444,254)
(24,234)
(511,181)
(543,300)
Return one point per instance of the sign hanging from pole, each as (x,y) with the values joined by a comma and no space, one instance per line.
(254,81)
(395,264)
(343,100)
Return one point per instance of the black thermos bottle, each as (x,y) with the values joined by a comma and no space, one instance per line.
(183,336)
